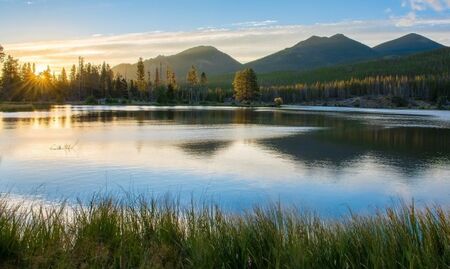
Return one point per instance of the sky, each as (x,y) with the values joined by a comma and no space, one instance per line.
(56,32)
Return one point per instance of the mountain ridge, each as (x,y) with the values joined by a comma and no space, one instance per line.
(314,52)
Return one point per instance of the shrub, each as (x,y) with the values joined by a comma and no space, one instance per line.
(91,101)
(441,102)
(278,101)
(399,101)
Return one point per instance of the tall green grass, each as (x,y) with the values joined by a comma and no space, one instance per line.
(140,233)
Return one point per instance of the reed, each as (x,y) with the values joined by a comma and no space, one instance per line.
(142,233)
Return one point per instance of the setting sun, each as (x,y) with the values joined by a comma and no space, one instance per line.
(40,68)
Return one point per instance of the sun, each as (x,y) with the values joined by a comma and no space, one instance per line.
(40,68)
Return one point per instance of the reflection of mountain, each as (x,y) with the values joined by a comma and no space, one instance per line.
(408,150)
(312,150)
(204,149)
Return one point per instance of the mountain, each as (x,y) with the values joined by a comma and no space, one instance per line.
(406,45)
(313,53)
(205,58)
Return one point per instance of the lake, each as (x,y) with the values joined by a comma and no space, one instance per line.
(329,160)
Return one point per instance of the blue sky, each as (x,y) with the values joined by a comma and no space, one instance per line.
(95,29)
(24,20)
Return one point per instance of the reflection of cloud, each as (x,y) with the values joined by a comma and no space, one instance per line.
(245,43)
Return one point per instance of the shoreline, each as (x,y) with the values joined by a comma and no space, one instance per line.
(350,103)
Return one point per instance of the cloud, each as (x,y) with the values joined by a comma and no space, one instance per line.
(406,21)
(437,5)
(243,43)
(255,23)
(411,18)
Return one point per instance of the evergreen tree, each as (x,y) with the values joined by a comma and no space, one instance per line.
(2,54)
(171,78)
(73,73)
(245,85)
(140,74)
(63,77)
(103,80)
(46,83)
(120,88)
(192,77)
(171,84)
(10,78)
(109,81)
(80,77)
(203,79)
(157,78)
(192,80)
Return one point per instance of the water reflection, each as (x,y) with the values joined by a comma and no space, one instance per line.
(205,149)
(409,150)
(240,156)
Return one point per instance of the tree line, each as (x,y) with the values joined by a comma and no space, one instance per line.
(87,82)
(421,87)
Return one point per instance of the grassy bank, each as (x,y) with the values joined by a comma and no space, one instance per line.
(140,234)
(17,107)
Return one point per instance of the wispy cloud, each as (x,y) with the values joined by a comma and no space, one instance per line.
(245,43)
(437,5)
(417,6)
(255,23)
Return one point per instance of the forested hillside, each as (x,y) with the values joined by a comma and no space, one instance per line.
(428,63)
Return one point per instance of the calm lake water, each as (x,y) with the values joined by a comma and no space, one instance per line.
(328,160)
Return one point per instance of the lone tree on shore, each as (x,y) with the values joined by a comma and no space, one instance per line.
(2,54)
(245,85)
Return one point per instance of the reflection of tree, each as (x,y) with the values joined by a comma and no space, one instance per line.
(415,142)
(204,149)
(187,116)
(243,116)
(408,150)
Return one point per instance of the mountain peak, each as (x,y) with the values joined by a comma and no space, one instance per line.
(200,49)
(315,40)
(408,44)
(413,35)
(338,36)
(205,58)
(315,52)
